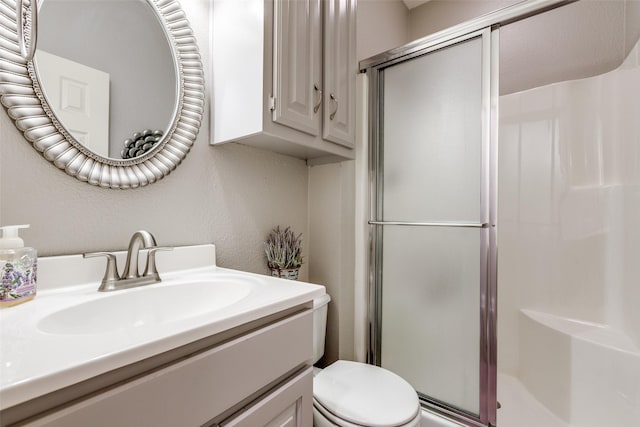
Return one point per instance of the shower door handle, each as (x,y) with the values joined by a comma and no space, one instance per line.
(434,224)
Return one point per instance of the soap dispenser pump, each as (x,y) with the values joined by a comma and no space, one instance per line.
(18,268)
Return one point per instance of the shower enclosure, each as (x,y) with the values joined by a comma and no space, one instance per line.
(569,215)
(433,222)
(433,130)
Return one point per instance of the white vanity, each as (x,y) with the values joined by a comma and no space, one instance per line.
(206,346)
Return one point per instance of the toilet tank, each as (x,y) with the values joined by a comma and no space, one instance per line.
(320,306)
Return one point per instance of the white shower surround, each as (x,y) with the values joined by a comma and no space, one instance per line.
(569,271)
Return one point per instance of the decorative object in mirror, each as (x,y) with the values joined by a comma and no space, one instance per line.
(284,253)
(146,65)
(140,143)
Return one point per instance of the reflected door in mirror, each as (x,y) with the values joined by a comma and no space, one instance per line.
(80,97)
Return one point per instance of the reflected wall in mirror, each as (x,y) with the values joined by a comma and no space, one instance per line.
(109,74)
(133,66)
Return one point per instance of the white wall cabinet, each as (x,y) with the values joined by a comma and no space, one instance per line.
(261,378)
(283,76)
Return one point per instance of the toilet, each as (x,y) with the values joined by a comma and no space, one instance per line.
(353,394)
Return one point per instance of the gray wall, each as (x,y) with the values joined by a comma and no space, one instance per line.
(229,195)
(437,15)
(381,25)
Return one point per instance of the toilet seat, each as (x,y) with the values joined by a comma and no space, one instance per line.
(328,419)
(356,394)
(328,416)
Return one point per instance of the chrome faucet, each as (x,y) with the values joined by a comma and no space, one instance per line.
(139,239)
(131,277)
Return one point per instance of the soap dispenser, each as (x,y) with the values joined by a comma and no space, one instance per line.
(18,266)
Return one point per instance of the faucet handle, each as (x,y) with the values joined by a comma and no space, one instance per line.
(151,269)
(111,273)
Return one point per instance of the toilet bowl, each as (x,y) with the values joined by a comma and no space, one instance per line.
(353,394)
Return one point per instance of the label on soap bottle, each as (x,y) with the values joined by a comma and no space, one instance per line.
(18,279)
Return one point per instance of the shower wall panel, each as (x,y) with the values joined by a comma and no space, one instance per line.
(569,203)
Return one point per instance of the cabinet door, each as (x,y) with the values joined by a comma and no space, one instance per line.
(290,405)
(340,69)
(296,66)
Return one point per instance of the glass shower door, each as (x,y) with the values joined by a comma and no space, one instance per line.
(432,222)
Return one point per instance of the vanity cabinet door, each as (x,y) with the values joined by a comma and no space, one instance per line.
(290,405)
(297,57)
(340,69)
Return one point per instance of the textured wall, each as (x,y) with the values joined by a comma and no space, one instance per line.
(229,195)
(331,243)
(437,15)
(381,25)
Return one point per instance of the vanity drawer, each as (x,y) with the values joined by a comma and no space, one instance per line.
(195,390)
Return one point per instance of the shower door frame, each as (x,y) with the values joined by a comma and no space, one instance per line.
(487,224)
(487,27)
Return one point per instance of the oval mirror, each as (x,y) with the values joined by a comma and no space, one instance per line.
(114,94)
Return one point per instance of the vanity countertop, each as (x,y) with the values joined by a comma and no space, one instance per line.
(38,355)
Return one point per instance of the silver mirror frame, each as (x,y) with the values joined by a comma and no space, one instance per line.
(21,95)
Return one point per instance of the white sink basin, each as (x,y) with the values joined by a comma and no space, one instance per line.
(145,306)
(71,333)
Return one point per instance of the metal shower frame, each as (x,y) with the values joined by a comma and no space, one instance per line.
(486,27)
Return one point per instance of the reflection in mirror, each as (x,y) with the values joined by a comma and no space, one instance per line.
(107,70)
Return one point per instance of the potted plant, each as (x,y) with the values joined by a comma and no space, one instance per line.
(284,253)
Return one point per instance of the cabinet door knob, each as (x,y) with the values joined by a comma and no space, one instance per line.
(334,99)
(318,96)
